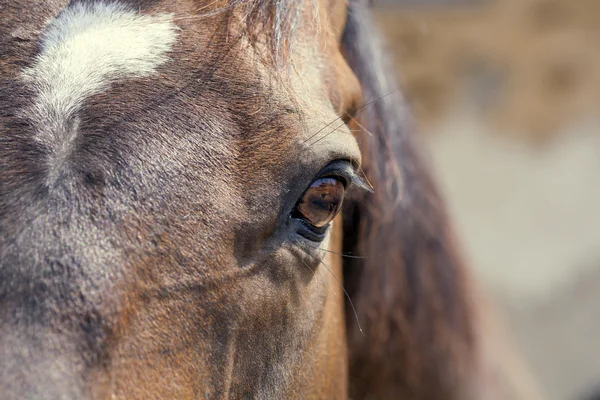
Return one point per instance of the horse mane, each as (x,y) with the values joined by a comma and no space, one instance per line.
(410,292)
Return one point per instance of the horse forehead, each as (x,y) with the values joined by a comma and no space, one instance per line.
(90,45)
(98,41)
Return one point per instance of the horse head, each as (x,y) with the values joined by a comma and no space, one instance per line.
(219,199)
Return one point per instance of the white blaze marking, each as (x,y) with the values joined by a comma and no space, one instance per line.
(84,50)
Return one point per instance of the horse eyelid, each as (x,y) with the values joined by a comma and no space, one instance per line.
(360,182)
(349,172)
(358,177)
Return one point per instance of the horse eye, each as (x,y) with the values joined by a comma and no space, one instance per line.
(321,202)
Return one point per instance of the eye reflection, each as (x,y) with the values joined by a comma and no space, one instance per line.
(322,201)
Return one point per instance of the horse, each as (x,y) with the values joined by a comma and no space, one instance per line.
(225,199)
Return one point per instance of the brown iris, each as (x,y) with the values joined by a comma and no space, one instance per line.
(322,201)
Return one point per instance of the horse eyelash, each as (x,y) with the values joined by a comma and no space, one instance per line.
(360,182)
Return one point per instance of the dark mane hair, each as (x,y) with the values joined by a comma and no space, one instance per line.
(410,293)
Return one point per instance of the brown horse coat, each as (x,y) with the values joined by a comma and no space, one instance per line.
(152,156)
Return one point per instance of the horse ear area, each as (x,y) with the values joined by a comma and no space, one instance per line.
(405,278)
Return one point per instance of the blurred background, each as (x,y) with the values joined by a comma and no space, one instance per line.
(506,94)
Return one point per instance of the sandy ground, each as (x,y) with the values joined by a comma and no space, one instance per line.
(506,94)
(531,65)
(529,222)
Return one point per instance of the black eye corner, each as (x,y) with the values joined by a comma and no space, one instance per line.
(322,200)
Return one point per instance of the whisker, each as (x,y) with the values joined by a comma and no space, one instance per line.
(329,133)
(329,124)
(363,129)
(340,284)
(349,255)
(343,255)
(323,128)
(356,113)
(315,273)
